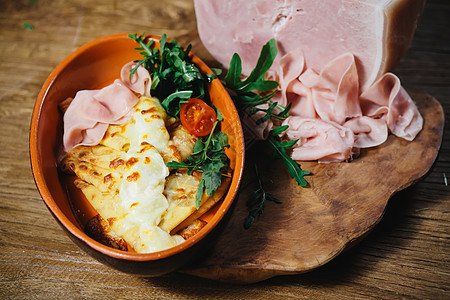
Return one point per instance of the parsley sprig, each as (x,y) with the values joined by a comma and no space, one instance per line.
(175,78)
(209,158)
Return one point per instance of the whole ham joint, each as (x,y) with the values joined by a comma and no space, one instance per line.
(333,63)
(376,32)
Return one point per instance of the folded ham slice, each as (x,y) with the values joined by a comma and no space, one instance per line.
(326,105)
(319,140)
(140,82)
(377,32)
(91,111)
(387,99)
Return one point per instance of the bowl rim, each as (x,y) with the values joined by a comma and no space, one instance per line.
(72,228)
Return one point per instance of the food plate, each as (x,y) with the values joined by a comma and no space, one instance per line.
(343,202)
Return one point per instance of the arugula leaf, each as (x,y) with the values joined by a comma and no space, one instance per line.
(212,175)
(255,81)
(222,139)
(219,114)
(248,102)
(254,95)
(280,151)
(27,26)
(279,130)
(267,56)
(233,76)
(174,75)
(199,194)
(198,147)
(258,199)
(251,93)
(172,103)
(217,71)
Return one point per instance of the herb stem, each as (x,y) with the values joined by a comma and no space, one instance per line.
(208,141)
(259,198)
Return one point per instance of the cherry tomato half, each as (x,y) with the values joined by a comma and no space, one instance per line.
(197,117)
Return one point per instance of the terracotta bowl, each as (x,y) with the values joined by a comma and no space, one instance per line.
(93,66)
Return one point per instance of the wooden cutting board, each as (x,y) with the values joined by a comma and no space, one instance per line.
(343,202)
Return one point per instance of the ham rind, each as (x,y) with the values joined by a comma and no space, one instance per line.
(377,32)
(91,111)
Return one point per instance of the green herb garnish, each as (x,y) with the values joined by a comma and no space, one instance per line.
(257,200)
(280,151)
(27,26)
(175,78)
(209,158)
(253,95)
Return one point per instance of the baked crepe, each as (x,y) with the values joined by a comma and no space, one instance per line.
(180,189)
(102,168)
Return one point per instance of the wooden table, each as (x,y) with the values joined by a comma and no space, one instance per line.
(407,255)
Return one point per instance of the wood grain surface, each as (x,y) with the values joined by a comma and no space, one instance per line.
(406,256)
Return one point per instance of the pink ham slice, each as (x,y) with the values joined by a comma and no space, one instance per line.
(377,32)
(326,103)
(140,82)
(91,111)
(333,95)
(319,140)
(387,99)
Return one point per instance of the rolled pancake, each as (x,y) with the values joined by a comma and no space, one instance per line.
(102,168)
(181,190)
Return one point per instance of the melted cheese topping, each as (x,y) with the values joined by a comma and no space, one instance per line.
(127,182)
(141,189)
(147,124)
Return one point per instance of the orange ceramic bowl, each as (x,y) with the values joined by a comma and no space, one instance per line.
(93,66)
